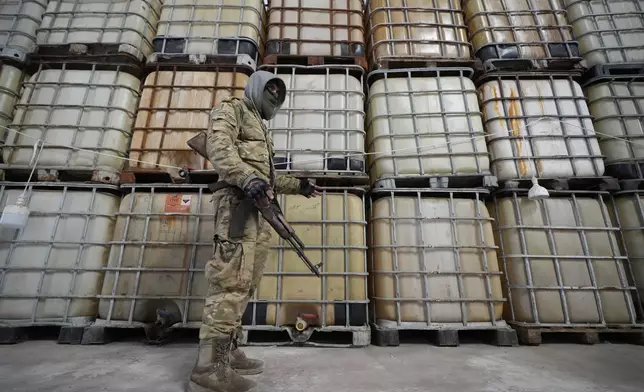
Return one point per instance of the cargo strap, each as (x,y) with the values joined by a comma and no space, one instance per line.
(242,213)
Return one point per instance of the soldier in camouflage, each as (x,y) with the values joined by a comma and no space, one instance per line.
(241,151)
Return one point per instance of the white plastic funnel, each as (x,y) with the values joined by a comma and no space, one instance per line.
(14,216)
(537,192)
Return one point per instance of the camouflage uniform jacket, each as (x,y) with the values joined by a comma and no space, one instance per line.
(240,147)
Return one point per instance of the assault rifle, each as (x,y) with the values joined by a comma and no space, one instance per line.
(269,208)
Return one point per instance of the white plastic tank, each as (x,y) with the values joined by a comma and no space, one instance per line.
(424,124)
(618,112)
(320,127)
(128,24)
(51,270)
(630,218)
(416,29)
(539,127)
(163,239)
(19,20)
(608,31)
(10,85)
(92,110)
(211,27)
(315,28)
(333,230)
(520,29)
(160,246)
(433,260)
(562,260)
(174,107)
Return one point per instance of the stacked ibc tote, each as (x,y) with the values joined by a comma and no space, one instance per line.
(205,51)
(317,48)
(610,35)
(64,151)
(432,260)
(564,263)
(202,52)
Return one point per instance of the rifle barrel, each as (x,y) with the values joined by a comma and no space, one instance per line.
(302,256)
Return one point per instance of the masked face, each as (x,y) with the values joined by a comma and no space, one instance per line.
(266,92)
(271,100)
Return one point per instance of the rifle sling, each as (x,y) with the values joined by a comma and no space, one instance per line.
(242,213)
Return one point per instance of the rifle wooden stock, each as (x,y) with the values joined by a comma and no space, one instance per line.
(198,144)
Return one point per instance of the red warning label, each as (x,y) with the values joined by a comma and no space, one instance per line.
(178,203)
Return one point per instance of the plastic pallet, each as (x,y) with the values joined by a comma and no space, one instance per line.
(607,72)
(506,57)
(66,334)
(532,336)
(448,337)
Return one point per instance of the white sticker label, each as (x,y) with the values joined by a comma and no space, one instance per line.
(186,200)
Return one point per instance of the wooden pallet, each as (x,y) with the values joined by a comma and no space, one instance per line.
(66,334)
(572,183)
(533,336)
(447,337)
(21,174)
(287,59)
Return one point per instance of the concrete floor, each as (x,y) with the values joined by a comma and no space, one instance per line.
(119,367)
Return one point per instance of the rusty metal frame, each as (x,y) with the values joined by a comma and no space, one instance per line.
(152,85)
(353,48)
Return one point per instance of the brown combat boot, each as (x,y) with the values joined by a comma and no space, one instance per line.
(212,371)
(242,364)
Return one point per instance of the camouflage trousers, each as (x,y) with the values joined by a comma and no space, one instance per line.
(235,270)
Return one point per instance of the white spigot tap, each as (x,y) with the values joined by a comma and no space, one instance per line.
(14,216)
(537,192)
